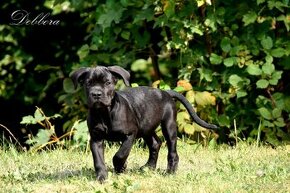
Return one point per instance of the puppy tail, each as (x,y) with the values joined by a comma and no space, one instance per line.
(190,110)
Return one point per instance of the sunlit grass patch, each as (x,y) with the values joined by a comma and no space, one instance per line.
(245,168)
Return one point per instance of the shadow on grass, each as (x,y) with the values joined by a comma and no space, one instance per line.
(67,174)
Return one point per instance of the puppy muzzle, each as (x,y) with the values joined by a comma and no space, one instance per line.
(98,100)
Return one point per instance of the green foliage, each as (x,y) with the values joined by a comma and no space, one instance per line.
(46,136)
(185,124)
(236,51)
(80,134)
(38,117)
(12,59)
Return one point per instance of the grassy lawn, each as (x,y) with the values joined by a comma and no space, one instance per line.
(225,169)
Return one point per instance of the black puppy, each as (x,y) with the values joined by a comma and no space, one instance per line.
(127,115)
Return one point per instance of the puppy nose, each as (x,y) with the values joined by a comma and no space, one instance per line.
(96,94)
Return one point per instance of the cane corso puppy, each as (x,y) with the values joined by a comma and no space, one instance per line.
(126,115)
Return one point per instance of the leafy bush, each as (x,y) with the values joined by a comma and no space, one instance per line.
(234,54)
(238,51)
(46,136)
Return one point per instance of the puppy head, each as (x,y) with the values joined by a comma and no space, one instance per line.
(99,83)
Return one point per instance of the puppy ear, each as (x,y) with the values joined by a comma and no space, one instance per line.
(119,71)
(78,76)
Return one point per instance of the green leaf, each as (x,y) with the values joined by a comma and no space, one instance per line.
(212,144)
(280,122)
(280,100)
(38,116)
(146,14)
(268,68)
(42,67)
(169,8)
(287,105)
(283,135)
(114,13)
(262,83)
(265,113)
(241,93)
(164,86)
(28,120)
(228,62)
(276,113)
(55,116)
(190,96)
(134,85)
(189,129)
(260,1)
(205,74)
(197,29)
(204,98)
(139,65)
(83,51)
(235,79)
(249,18)
(68,85)
(269,59)
(253,69)
(198,128)
(226,44)
(43,136)
(267,42)
(81,133)
(268,123)
(272,139)
(182,116)
(215,59)
(224,121)
(211,23)
(273,81)
(179,89)
(125,35)
(277,75)
(278,5)
(126,3)
(278,52)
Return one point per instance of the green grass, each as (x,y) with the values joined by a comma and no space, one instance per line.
(225,169)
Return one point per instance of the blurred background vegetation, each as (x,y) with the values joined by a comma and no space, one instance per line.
(229,58)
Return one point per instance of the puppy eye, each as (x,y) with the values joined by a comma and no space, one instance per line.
(89,82)
(108,83)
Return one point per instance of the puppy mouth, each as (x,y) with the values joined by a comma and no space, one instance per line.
(100,103)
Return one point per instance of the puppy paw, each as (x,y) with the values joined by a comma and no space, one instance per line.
(171,170)
(102,176)
(148,167)
(120,169)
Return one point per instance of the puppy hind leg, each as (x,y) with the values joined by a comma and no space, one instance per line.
(154,143)
(169,130)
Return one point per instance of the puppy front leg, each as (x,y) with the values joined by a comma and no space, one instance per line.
(119,160)
(97,148)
